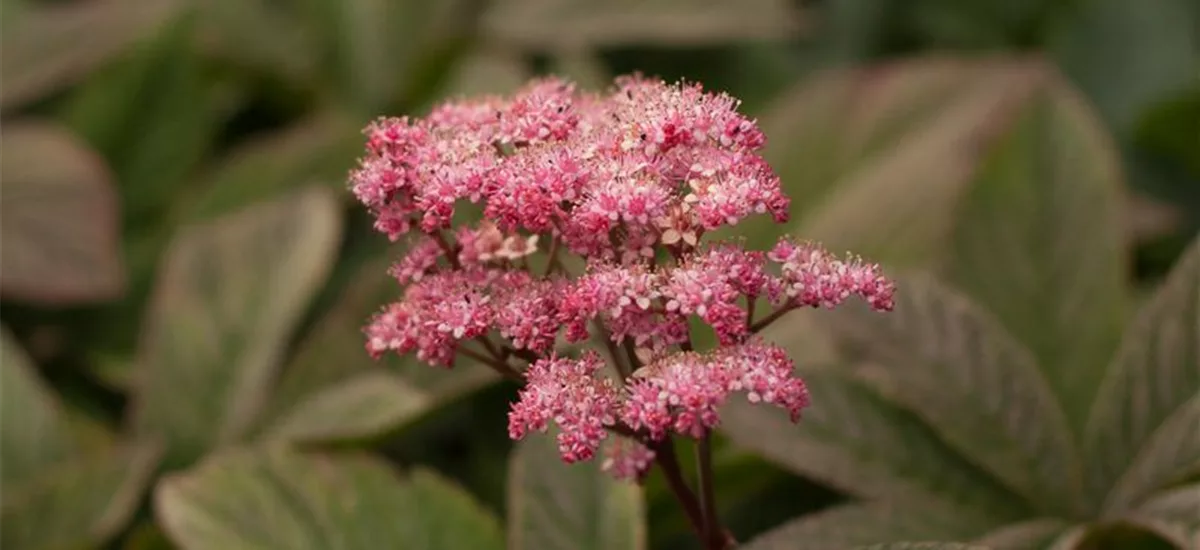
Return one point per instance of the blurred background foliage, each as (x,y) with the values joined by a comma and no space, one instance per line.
(183,274)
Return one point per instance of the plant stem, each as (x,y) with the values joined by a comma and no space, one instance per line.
(783,310)
(504,369)
(664,455)
(713,534)
(622,369)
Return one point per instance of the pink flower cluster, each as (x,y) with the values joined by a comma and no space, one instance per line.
(594,209)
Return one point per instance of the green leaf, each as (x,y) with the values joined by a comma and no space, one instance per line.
(367,405)
(34,432)
(371,49)
(1038,241)
(1171,455)
(230,293)
(1173,516)
(1126,56)
(147,536)
(862,524)
(956,368)
(552,24)
(332,354)
(486,72)
(59,234)
(81,503)
(875,160)
(56,46)
(278,498)
(153,115)
(1154,377)
(922,546)
(554,505)
(1034,534)
(858,442)
(317,150)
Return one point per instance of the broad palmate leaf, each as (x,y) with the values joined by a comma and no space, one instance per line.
(1142,432)
(59,219)
(34,433)
(80,503)
(980,390)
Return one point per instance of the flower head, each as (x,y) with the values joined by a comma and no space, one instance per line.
(595,215)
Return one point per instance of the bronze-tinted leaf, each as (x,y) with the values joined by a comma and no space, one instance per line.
(552,24)
(1038,240)
(230,292)
(1139,427)
(34,433)
(860,443)
(81,503)
(59,221)
(279,498)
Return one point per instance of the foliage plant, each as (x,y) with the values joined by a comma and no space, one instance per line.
(183,278)
(628,182)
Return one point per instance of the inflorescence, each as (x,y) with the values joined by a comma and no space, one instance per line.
(594,212)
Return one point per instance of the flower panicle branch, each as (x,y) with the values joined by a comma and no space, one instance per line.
(618,180)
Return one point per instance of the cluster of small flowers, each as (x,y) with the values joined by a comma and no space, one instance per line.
(630,182)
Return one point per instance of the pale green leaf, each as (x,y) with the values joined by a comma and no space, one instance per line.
(979,389)
(856,441)
(553,505)
(59,224)
(80,503)
(1038,241)
(279,498)
(231,292)
(1174,515)
(1172,454)
(55,46)
(583,67)
(367,405)
(902,165)
(333,352)
(1155,373)
(1034,534)
(555,24)
(372,50)
(34,432)
(853,525)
